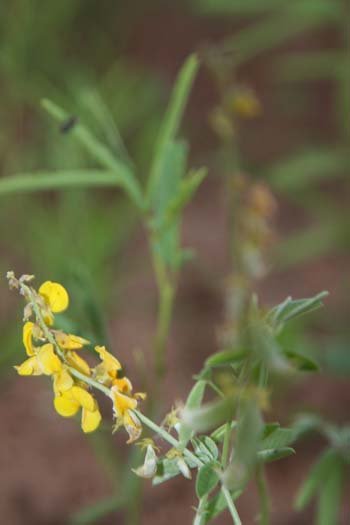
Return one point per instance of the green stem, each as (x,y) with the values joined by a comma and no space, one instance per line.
(168,437)
(199,518)
(231,506)
(226,445)
(263,496)
(166,300)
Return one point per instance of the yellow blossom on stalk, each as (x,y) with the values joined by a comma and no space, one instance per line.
(70,341)
(55,296)
(70,401)
(123,406)
(245,103)
(53,353)
(27,337)
(106,372)
(45,361)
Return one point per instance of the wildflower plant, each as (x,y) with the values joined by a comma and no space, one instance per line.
(221,435)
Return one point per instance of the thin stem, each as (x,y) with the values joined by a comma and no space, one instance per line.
(199,518)
(226,445)
(231,506)
(168,437)
(166,299)
(263,496)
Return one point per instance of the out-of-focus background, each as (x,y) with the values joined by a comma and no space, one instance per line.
(113,63)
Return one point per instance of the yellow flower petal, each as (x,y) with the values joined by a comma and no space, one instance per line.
(55,296)
(132,426)
(78,362)
(62,381)
(66,405)
(70,341)
(90,420)
(123,385)
(83,398)
(121,402)
(27,337)
(110,362)
(30,367)
(48,361)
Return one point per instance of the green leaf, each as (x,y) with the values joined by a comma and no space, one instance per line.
(101,154)
(205,449)
(330,495)
(210,415)
(291,309)
(302,362)
(194,401)
(313,242)
(306,168)
(273,454)
(166,234)
(60,180)
(249,431)
(96,511)
(269,428)
(226,357)
(278,438)
(265,347)
(166,469)
(315,479)
(207,479)
(313,65)
(172,119)
(217,504)
(219,433)
(278,28)
(185,192)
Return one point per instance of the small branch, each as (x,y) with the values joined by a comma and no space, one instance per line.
(226,445)
(263,496)
(199,518)
(231,506)
(168,437)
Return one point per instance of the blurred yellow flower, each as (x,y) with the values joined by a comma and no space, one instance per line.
(55,296)
(123,406)
(70,401)
(70,341)
(27,337)
(45,361)
(106,371)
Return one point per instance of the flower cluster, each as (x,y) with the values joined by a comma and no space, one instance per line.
(54,353)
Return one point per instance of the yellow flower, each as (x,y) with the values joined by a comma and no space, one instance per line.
(106,371)
(27,337)
(123,385)
(55,296)
(62,381)
(77,362)
(70,401)
(70,341)
(45,361)
(123,406)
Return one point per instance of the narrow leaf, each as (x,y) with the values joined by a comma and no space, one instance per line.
(194,401)
(172,118)
(100,152)
(60,180)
